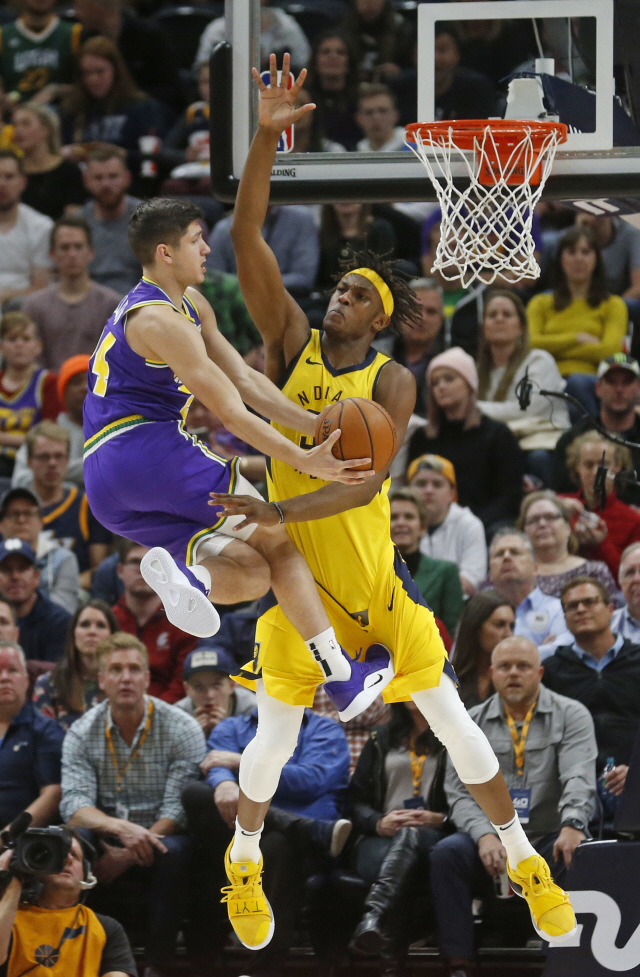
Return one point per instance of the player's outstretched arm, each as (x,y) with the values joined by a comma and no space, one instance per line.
(279,319)
(157,332)
(255,389)
(396,392)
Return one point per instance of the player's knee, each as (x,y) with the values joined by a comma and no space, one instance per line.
(273,745)
(258,581)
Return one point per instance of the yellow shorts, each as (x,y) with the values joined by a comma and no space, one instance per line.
(398,617)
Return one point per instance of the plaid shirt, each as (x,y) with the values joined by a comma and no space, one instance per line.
(152,785)
(356,730)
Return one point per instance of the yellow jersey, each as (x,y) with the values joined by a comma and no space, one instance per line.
(345,552)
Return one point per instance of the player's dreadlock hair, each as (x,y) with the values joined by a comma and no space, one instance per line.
(406,307)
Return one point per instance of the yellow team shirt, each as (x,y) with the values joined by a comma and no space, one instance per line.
(556,331)
(37,935)
(357,539)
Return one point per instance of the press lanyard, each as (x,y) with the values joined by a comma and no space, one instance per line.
(114,759)
(520,740)
(417,766)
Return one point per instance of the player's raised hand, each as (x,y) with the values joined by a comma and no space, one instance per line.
(321,463)
(276,109)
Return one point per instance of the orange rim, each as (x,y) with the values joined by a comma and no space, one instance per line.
(506,132)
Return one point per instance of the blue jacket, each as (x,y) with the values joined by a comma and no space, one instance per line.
(30,759)
(315,779)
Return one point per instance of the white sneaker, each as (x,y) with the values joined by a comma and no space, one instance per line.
(184,597)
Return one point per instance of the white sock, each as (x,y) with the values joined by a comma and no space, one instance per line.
(515,841)
(203,575)
(246,845)
(329,656)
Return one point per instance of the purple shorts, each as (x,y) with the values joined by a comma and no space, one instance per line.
(151,484)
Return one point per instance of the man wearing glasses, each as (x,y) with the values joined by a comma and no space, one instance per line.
(64,508)
(20,518)
(601,670)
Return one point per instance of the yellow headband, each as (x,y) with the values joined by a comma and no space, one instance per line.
(383,289)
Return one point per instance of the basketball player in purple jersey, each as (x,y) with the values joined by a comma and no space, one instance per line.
(147,479)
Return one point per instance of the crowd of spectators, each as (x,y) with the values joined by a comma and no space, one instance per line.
(526,550)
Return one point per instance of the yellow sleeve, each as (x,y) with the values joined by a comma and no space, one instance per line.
(616,321)
(540,313)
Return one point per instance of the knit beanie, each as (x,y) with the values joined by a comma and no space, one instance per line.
(456,359)
(71,367)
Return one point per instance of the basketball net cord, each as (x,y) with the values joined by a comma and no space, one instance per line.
(486,227)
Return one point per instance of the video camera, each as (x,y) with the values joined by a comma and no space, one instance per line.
(37,852)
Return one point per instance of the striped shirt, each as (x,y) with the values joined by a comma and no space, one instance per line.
(153,783)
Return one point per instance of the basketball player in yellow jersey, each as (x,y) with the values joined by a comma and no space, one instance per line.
(344,534)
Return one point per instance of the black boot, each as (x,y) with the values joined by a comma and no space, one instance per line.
(395,870)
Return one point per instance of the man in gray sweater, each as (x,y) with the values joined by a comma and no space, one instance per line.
(546,747)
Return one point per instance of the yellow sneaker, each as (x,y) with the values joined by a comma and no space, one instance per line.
(551,912)
(249,911)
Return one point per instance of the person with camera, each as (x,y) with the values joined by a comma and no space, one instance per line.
(31,746)
(47,925)
(125,764)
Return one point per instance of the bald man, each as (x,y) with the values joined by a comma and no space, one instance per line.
(546,747)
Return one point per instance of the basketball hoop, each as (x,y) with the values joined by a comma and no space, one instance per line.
(486,226)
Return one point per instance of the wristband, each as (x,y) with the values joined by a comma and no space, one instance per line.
(279,511)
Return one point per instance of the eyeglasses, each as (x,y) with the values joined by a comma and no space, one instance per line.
(543,517)
(573,605)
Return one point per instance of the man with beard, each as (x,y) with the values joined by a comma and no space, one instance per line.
(24,235)
(107,179)
(618,389)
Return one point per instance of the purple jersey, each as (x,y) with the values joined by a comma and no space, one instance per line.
(126,390)
(146,478)
(22,409)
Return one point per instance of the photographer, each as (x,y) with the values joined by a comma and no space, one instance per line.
(58,934)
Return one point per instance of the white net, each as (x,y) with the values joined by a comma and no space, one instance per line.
(486,227)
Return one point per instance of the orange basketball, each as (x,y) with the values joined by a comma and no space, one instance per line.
(367,431)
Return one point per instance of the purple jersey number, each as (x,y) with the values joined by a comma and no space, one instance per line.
(285,144)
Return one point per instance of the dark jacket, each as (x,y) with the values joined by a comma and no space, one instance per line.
(612,696)
(43,630)
(368,787)
(488,461)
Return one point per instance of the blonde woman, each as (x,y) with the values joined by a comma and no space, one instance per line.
(504,358)
(546,519)
(54,184)
(603,530)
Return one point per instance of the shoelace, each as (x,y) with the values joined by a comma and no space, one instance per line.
(541,881)
(241,892)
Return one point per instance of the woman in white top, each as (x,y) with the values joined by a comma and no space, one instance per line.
(504,357)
